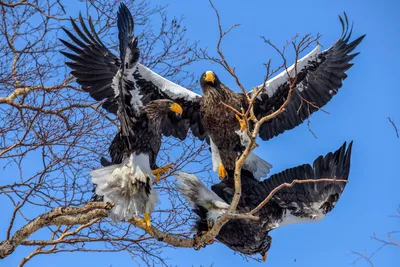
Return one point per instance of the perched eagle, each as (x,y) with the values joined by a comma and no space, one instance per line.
(127,181)
(320,75)
(305,202)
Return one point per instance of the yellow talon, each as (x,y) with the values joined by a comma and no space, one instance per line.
(161,170)
(243,122)
(221,171)
(146,222)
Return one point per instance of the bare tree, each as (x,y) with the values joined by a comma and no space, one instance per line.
(391,239)
(52,134)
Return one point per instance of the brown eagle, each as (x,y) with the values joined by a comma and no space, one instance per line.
(320,75)
(98,70)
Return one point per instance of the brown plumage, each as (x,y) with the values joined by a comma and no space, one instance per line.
(218,120)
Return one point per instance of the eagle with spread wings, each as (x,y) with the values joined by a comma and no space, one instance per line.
(128,89)
(303,202)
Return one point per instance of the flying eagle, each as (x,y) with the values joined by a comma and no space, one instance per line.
(97,70)
(127,181)
(307,202)
(320,75)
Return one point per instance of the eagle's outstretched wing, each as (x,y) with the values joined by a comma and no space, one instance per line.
(95,68)
(303,202)
(319,76)
(306,202)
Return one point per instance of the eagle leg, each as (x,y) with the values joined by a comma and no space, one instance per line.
(243,121)
(159,171)
(198,236)
(209,242)
(221,171)
(146,222)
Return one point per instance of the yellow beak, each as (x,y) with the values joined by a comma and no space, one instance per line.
(210,77)
(176,108)
(264,256)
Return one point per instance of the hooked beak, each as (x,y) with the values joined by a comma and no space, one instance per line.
(176,108)
(264,256)
(209,77)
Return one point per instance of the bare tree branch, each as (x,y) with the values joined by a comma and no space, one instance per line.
(394,126)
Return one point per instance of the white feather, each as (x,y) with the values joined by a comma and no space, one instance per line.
(272,85)
(123,185)
(314,211)
(259,167)
(196,193)
(215,157)
(171,89)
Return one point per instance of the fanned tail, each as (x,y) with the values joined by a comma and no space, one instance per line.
(128,187)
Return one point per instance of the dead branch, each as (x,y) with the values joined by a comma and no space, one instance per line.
(394,126)
(58,216)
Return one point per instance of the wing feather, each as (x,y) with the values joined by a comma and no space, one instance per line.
(319,78)
(95,68)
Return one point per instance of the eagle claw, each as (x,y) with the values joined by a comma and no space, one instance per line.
(159,171)
(221,171)
(197,240)
(146,222)
(243,120)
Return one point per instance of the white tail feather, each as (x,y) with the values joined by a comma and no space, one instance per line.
(259,167)
(196,193)
(125,186)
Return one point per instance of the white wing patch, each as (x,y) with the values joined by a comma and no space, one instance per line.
(171,89)
(272,85)
(136,101)
(314,214)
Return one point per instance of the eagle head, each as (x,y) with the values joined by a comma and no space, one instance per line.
(265,247)
(209,78)
(163,108)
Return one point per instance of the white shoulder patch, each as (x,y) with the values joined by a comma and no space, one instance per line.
(272,85)
(171,89)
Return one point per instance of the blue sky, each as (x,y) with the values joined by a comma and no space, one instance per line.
(359,112)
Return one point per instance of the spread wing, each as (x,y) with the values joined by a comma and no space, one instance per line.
(95,68)
(320,75)
(305,202)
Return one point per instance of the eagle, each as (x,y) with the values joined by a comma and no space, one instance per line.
(98,71)
(303,202)
(319,77)
(127,181)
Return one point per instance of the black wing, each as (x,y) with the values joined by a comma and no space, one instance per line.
(299,203)
(320,77)
(95,67)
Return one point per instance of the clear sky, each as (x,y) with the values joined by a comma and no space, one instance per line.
(358,112)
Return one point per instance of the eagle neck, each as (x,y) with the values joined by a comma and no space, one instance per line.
(216,95)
